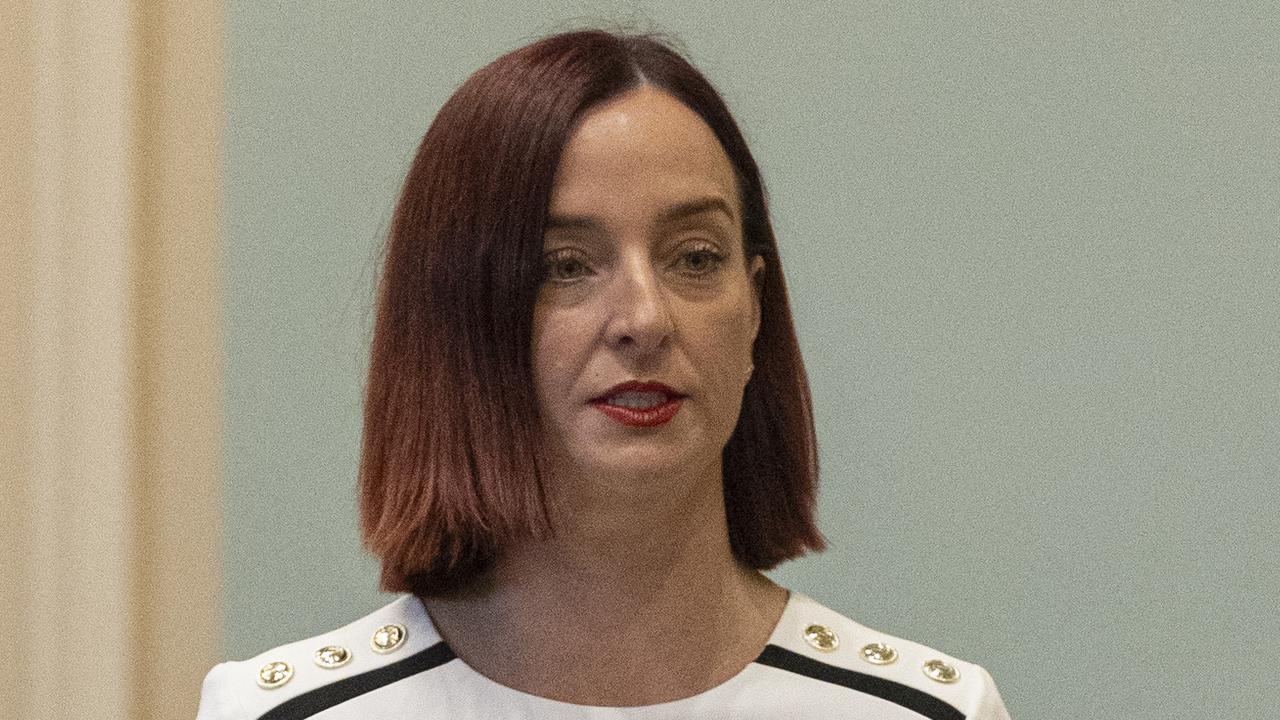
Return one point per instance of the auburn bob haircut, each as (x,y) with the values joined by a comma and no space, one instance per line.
(452,466)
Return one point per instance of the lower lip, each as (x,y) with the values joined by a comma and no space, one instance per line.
(649,417)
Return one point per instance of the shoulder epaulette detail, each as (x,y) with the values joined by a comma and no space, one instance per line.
(302,678)
(324,697)
(897,693)
(913,676)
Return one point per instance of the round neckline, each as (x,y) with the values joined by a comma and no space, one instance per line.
(793,599)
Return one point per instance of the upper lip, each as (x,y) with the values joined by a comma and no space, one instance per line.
(638,386)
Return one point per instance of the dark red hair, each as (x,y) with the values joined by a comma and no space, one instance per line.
(452,466)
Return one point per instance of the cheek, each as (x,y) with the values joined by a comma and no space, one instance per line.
(724,341)
(557,343)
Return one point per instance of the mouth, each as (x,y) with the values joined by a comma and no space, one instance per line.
(641,417)
(640,404)
(638,395)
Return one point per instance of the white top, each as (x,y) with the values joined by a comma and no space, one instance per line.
(421,678)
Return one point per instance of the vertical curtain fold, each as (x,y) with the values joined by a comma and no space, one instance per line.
(109,282)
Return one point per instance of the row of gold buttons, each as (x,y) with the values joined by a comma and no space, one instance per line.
(385,639)
(825,639)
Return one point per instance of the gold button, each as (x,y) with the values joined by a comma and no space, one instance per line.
(332,656)
(821,637)
(388,638)
(879,653)
(941,671)
(274,674)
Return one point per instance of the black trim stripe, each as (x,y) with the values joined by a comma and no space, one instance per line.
(897,693)
(326,696)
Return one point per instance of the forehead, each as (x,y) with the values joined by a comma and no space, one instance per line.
(642,151)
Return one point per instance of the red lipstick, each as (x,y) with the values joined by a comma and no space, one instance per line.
(648,417)
(640,417)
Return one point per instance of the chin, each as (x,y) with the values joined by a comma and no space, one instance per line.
(635,460)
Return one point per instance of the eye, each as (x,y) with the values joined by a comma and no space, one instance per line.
(556,262)
(704,259)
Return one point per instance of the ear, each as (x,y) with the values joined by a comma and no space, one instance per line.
(756,275)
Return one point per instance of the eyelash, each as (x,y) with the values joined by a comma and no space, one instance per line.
(715,258)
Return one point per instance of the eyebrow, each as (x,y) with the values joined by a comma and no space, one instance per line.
(670,214)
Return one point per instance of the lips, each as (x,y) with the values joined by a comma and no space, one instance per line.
(639,386)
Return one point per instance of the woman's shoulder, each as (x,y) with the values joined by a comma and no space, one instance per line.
(815,640)
(395,640)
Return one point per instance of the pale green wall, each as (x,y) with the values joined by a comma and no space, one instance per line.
(1033,257)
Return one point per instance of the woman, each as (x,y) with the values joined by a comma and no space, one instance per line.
(587,429)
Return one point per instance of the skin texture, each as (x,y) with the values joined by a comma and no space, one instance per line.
(637,599)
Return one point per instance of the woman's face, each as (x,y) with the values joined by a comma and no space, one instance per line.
(645,280)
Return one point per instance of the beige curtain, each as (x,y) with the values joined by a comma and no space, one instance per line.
(110,198)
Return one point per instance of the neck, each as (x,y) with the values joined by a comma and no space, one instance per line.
(633,602)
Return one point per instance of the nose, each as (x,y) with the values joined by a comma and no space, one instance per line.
(639,312)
